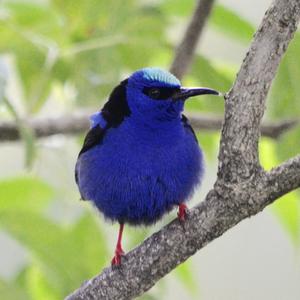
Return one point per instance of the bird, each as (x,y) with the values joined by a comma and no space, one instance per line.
(140,157)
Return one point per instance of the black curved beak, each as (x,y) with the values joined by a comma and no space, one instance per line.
(185,93)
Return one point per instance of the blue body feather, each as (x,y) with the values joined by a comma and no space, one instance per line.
(146,164)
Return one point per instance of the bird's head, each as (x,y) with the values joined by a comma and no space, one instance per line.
(156,94)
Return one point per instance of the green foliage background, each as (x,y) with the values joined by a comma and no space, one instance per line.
(86,47)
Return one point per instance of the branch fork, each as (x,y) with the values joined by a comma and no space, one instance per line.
(242,188)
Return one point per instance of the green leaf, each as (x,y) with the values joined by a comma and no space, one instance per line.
(209,142)
(24,193)
(206,73)
(267,153)
(3,81)
(65,256)
(284,103)
(32,14)
(228,22)
(177,7)
(284,100)
(88,241)
(287,208)
(26,134)
(38,286)
(185,274)
(136,235)
(41,237)
(39,46)
(11,291)
(209,73)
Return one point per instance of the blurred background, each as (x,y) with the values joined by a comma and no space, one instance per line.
(62,57)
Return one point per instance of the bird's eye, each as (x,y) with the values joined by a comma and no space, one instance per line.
(154,93)
(159,93)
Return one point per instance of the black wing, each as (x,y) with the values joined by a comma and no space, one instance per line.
(114,111)
(186,123)
(93,137)
(116,108)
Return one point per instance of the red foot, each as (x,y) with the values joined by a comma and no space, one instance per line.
(116,261)
(182,212)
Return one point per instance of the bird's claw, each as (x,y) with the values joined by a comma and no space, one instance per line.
(182,212)
(116,261)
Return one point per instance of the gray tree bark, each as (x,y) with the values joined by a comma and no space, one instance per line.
(79,123)
(242,188)
(184,53)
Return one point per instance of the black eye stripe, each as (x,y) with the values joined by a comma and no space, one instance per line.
(159,93)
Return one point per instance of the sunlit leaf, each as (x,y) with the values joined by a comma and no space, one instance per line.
(185,274)
(24,193)
(66,256)
(30,13)
(209,74)
(177,7)
(10,291)
(287,208)
(38,287)
(205,73)
(43,239)
(209,142)
(90,246)
(267,153)
(229,22)
(136,235)
(26,134)
(284,101)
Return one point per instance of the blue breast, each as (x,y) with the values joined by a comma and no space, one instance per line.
(135,176)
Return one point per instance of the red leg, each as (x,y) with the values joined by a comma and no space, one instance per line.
(182,211)
(118,251)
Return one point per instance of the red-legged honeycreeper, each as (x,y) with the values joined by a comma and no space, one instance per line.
(141,157)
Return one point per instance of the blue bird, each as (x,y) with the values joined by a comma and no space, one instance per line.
(141,157)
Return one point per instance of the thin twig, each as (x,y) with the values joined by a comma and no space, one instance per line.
(79,123)
(185,51)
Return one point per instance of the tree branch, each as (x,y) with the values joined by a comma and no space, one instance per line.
(269,129)
(185,51)
(284,178)
(245,104)
(69,124)
(242,188)
(79,123)
(173,244)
